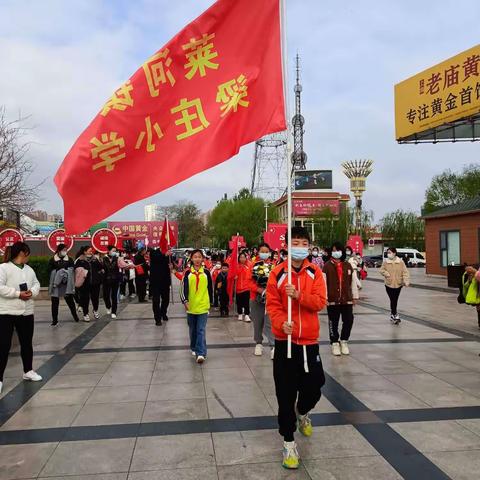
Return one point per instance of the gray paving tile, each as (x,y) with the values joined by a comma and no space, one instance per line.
(105,476)
(460,465)
(389,400)
(24,461)
(110,413)
(438,436)
(116,378)
(120,394)
(261,471)
(177,376)
(136,356)
(60,396)
(440,366)
(353,468)
(42,417)
(473,425)
(83,368)
(357,383)
(228,374)
(176,451)
(203,473)
(225,388)
(177,391)
(173,410)
(73,381)
(255,405)
(90,457)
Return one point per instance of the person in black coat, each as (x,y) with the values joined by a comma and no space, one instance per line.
(141,274)
(160,281)
(112,280)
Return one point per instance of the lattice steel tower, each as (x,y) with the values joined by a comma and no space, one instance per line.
(299,157)
(269,179)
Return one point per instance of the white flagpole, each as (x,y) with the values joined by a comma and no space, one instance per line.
(168,231)
(283,4)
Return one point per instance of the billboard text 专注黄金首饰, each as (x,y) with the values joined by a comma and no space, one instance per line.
(442,94)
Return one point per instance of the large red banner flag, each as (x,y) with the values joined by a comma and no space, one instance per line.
(217,85)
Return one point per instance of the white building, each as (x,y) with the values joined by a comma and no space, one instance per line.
(152,213)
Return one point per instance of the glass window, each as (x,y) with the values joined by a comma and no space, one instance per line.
(420,256)
(450,248)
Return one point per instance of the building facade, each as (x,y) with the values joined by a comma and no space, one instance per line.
(452,236)
(152,213)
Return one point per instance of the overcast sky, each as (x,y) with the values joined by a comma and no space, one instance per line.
(61,59)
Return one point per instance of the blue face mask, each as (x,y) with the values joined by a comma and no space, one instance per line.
(264,256)
(299,253)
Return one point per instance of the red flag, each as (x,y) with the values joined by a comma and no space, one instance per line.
(233,267)
(217,85)
(167,238)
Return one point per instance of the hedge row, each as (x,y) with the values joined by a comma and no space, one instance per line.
(40,265)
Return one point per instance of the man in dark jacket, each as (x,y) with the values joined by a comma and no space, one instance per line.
(160,281)
(141,274)
(111,282)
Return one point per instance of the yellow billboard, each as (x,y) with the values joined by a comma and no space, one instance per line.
(439,95)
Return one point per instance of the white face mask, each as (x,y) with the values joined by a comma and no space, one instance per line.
(62,254)
(337,254)
(264,255)
(391,256)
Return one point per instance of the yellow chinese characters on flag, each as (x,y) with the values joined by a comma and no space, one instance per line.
(444,93)
(217,85)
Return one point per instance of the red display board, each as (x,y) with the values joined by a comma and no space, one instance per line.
(356,244)
(275,236)
(148,232)
(57,237)
(8,237)
(102,238)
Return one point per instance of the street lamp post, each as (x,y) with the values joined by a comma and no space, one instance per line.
(357,172)
(266,217)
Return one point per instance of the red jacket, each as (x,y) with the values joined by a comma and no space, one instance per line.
(313,298)
(244,278)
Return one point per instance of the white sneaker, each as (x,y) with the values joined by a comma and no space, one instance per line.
(240,318)
(344,347)
(247,319)
(122,297)
(1,386)
(336,349)
(133,295)
(96,315)
(200,359)
(291,458)
(86,318)
(258,350)
(79,309)
(193,354)
(272,353)
(114,315)
(109,311)
(32,376)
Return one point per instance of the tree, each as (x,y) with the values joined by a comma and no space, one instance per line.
(450,188)
(15,168)
(243,214)
(403,229)
(190,224)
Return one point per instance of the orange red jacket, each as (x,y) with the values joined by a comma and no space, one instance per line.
(244,278)
(313,298)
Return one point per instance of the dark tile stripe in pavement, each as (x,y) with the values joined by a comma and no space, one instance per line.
(426,323)
(24,391)
(181,427)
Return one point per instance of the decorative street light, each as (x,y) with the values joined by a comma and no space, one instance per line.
(358,171)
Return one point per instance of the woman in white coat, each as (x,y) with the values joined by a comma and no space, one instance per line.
(18,287)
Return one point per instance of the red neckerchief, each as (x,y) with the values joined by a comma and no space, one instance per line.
(339,266)
(197,275)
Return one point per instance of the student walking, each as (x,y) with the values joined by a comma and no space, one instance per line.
(197,296)
(221,285)
(261,321)
(62,282)
(242,291)
(112,279)
(18,287)
(342,292)
(298,380)
(396,277)
(160,282)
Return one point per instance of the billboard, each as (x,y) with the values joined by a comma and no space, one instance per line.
(448,92)
(313,179)
(142,231)
(310,207)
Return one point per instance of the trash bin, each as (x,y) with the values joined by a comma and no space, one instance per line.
(454,275)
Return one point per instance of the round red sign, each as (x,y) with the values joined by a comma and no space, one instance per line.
(102,238)
(8,237)
(56,237)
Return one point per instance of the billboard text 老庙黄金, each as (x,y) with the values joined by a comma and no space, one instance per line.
(441,94)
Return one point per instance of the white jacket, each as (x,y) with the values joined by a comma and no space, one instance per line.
(11,277)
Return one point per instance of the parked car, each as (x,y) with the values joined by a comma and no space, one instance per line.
(411,257)
(373,261)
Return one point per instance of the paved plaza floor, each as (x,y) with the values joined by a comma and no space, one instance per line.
(124,399)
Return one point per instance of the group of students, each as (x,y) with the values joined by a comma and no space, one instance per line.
(80,280)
